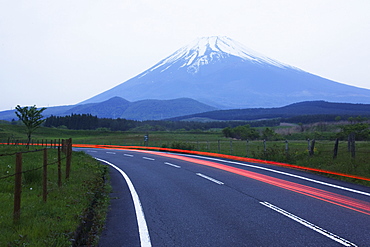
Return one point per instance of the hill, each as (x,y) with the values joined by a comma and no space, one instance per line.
(293,110)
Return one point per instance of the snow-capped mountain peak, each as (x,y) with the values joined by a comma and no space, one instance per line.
(207,50)
(220,72)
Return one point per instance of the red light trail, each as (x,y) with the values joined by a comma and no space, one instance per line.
(343,201)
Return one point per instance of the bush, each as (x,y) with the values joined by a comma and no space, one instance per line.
(244,132)
(182,145)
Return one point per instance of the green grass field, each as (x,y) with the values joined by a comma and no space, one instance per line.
(54,222)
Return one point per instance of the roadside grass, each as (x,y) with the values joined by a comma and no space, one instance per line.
(55,222)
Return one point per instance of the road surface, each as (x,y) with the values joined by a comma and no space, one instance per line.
(162,199)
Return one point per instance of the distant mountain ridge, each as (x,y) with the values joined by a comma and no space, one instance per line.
(174,110)
(221,72)
(117,107)
(296,109)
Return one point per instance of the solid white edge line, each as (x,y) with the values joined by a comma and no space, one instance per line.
(309,225)
(143,228)
(289,174)
(167,163)
(209,178)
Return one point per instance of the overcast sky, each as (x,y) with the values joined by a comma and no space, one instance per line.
(64,52)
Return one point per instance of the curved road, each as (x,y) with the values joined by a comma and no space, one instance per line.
(200,201)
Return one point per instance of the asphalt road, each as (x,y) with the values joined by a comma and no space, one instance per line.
(199,201)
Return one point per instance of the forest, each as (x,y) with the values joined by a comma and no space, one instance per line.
(89,122)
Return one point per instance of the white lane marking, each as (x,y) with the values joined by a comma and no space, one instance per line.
(309,225)
(110,152)
(167,163)
(147,158)
(129,155)
(91,151)
(143,228)
(209,178)
(291,175)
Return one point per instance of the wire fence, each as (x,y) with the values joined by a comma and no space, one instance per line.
(64,146)
(264,148)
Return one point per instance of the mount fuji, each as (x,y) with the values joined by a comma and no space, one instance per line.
(222,73)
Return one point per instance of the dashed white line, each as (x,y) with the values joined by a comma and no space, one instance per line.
(147,158)
(91,151)
(309,225)
(209,178)
(290,175)
(143,228)
(167,163)
(110,152)
(128,155)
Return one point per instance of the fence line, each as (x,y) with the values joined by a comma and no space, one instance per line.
(66,147)
(257,148)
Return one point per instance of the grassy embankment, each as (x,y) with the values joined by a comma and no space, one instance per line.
(58,221)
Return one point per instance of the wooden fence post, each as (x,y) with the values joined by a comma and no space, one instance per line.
(17,188)
(246,148)
(69,156)
(349,143)
(286,147)
(59,169)
(45,176)
(353,145)
(64,146)
(336,148)
(312,147)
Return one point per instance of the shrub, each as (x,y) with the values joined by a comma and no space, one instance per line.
(182,145)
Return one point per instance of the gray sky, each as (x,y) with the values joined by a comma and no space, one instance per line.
(63,52)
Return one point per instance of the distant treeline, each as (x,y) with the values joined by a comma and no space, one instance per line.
(89,122)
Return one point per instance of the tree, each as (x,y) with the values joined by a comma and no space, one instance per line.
(269,134)
(361,131)
(31,117)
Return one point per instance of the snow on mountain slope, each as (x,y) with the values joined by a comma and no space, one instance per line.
(207,50)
